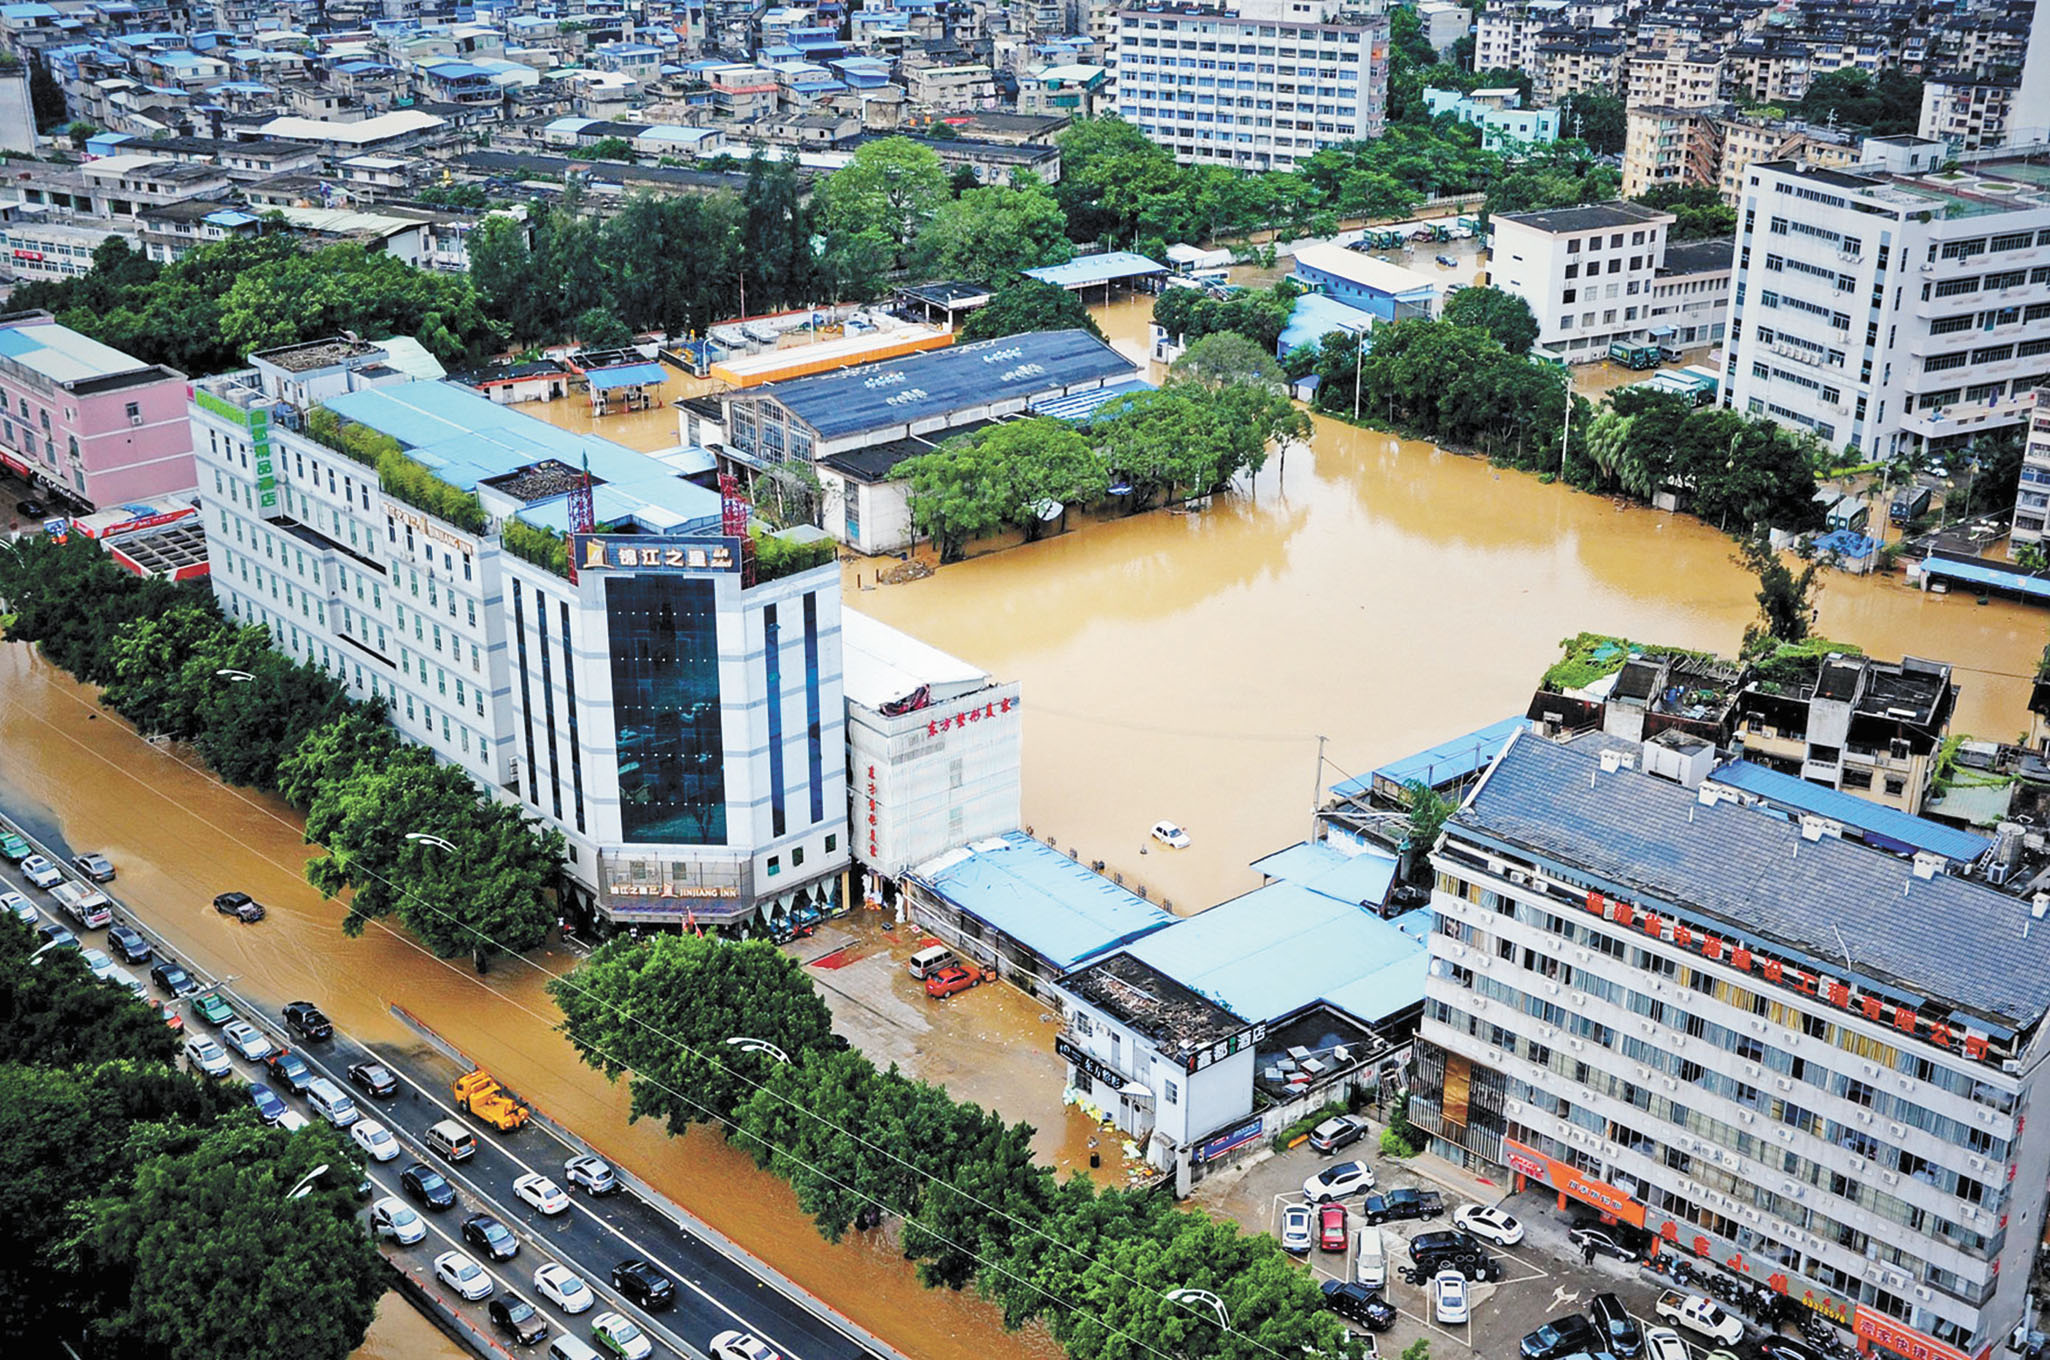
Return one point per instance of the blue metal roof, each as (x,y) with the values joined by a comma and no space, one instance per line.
(1892,826)
(1749,874)
(1041,898)
(1994,577)
(1316,315)
(1360,879)
(1076,407)
(1109,267)
(1434,765)
(921,386)
(1280,948)
(625,375)
(466,438)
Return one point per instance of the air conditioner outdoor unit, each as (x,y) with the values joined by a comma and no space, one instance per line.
(1890,1177)
(1864,1116)
(1922,1292)
(1784,1083)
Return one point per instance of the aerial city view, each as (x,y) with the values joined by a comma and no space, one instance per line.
(939,680)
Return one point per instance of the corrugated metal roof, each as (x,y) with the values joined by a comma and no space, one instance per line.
(1109,267)
(1454,759)
(1079,406)
(881,664)
(626,375)
(63,355)
(1041,898)
(1979,575)
(1917,833)
(1751,874)
(920,386)
(1280,948)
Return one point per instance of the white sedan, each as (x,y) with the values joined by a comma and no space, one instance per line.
(41,872)
(394,1218)
(541,1193)
(617,1333)
(1449,1298)
(563,1287)
(247,1040)
(99,961)
(1489,1224)
(375,1139)
(208,1056)
(1296,1233)
(1336,1182)
(23,909)
(740,1346)
(463,1275)
(1168,834)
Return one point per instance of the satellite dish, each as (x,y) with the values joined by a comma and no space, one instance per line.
(1049,510)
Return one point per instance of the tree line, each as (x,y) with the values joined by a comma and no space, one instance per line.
(1192,437)
(170,662)
(860,1144)
(147,1205)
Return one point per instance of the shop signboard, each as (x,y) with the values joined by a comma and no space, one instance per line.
(1570,1181)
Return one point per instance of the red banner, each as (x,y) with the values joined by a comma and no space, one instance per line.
(1874,1326)
(1581,1186)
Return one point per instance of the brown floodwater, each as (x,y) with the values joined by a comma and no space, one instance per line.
(402,1332)
(178,837)
(1375,591)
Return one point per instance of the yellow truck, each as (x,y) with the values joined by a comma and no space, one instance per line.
(478,1092)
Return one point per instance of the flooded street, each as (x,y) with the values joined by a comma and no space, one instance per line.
(1379,593)
(402,1332)
(178,838)
(1375,592)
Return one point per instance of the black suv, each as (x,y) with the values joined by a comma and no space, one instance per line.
(1350,1299)
(1562,1336)
(239,905)
(289,1071)
(305,1017)
(1405,1203)
(518,1319)
(1621,1336)
(1433,1251)
(642,1283)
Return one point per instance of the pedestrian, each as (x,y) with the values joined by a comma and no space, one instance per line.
(1587,1253)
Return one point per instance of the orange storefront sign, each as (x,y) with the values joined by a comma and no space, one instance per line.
(1585,1188)
(1901,1339)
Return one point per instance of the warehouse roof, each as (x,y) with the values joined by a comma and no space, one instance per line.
(882,664)
(63,356)
(1754,875)
(1277,949)
(1040,898)
(919,387)
(1364,270)
(1435,765)
(1087,271)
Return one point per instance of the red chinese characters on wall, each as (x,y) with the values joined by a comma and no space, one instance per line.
(935,726)
(872,852)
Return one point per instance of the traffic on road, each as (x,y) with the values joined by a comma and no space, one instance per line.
(519,1231)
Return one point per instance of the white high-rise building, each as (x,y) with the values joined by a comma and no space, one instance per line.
(1586,272)
(1259,85)
(1893,305)
(674,710)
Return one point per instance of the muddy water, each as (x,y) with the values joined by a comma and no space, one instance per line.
(401,1332)
(179,838)
(1372,590)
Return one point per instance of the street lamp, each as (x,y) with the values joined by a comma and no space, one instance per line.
(750,1045)
(435,841)
(230,673)
(477,954)
(1204,1298)
(37,957)
(305,1185)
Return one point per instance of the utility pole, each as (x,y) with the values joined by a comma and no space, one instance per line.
(1317,788)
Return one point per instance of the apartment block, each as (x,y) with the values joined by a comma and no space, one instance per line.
(1714,146)
(1680,78)
(1794,1057)
(1894,306)
(1968,111)
(1259,86)
(1569,61)
(85,421)
(1586,272)
(2032,494)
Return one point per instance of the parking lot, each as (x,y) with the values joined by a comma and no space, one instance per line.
(1542,1277)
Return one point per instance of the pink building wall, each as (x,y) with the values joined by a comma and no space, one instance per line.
(127,420)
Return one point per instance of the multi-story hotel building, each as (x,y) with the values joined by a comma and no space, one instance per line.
(1261,84)
(1793,1056)
(674,710)
(1892,306)
(2032,492)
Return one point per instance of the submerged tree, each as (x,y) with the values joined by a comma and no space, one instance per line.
(1786,598)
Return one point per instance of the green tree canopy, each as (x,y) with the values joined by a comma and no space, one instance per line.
(600,328)
(1854,101)
(991,234)
(1597,118)
(1024,305)
(1698,210)
(1786,598)
(1227,357)
(892,183)
(1505,316)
